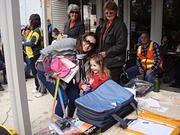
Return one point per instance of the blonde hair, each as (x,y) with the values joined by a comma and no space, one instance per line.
(97,58)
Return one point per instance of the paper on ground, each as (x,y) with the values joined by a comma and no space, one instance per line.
(150,128)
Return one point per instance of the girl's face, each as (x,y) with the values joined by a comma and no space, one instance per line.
(74,15)
(88,43)
(110,14)
(94,66)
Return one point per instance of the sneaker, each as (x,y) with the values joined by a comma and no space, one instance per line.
(34,91)
(37,95)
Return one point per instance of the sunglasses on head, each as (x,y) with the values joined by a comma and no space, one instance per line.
(87,41)
(74,12)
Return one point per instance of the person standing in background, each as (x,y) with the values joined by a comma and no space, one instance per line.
(113,40)
(74,27)
(33,44)
(49,31)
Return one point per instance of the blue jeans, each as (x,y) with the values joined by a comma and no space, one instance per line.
(28,66)
(134,71)
(69,95)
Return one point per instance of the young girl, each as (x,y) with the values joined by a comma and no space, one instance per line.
(96,75)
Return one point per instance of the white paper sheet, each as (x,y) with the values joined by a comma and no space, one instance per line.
(150,128)
(152,102)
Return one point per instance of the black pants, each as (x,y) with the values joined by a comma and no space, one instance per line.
(34,71)
(115,74)
(177,72)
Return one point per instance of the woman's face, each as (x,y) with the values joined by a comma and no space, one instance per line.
(88,43)
(110,14)
(74,15)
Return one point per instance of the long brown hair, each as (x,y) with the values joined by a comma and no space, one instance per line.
(97,58)
(80,40)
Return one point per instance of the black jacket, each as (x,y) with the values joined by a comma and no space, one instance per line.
(115,43)
(76,31)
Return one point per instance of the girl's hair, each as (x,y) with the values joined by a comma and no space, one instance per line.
(81,39)
(35,21)
(97,58)
(55,30)
(110,5)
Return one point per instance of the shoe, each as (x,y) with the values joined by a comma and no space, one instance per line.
(1,88)
(34,91)
(29,77)
(37,95)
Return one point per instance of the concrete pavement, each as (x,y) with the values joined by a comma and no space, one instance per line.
(39,108)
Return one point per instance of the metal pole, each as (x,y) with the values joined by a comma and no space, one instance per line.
(10,25)
(45,27)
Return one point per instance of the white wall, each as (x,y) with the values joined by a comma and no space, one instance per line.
(28,7)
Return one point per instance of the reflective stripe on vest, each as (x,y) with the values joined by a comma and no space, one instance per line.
(29,50)
(148,60)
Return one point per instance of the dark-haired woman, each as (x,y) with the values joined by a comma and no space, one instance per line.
(82,47)
(33,44)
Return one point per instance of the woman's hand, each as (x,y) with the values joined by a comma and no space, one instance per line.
(141,71)
(103,54)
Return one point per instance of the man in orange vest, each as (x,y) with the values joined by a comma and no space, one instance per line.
(148,60)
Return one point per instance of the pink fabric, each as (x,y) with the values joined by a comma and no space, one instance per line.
(58,67)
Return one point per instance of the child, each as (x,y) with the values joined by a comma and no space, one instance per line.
(97,74)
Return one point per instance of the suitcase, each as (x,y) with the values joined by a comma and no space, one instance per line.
(106,105)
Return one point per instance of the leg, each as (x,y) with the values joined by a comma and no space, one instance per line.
(72,93)
(28,66)
(133,72)
(1,88)
(59,110)
(34,72)
(51,88)
(151,77)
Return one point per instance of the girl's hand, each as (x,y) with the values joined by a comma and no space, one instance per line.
(91,81)
(103,54)
(84,87)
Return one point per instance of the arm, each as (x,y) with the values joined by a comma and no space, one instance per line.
(121,41)
(81,29)
(157,57)
(140,67)
(33,39)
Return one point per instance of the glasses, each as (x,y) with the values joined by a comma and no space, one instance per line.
(110,13)
(74,12)
(88,42)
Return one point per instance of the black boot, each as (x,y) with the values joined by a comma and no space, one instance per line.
(71,110)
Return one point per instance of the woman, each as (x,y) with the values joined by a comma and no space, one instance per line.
(74,27)
(33,44)
(113,40)
(84,45)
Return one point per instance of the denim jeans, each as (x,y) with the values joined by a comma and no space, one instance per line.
(28,66)
(134,71)
(69,95)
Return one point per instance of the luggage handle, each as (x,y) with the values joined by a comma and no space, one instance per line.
(124,122)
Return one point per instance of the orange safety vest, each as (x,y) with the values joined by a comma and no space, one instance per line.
(148,60)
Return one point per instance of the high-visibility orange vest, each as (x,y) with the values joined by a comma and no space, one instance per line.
(148,60)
